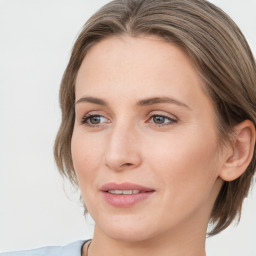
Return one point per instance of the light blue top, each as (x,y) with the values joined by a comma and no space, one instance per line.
(73,249)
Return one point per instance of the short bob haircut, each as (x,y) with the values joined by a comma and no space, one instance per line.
(217,48)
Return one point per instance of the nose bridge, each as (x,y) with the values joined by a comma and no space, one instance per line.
(122,147)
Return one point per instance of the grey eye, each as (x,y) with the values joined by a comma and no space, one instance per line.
(95,119)
(159,119)
(162,120)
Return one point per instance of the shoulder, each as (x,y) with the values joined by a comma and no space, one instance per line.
(73,249)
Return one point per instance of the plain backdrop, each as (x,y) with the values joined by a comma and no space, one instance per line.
(37,207)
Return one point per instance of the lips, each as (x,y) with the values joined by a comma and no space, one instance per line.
(125,194)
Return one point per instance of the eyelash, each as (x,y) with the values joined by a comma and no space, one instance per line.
(86,118)
(171,120)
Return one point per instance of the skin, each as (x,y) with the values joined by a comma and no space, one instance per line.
(180,159)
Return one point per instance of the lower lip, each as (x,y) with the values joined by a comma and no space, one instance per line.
(124,201)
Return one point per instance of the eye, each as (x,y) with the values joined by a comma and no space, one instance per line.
(94,120)
(162,120)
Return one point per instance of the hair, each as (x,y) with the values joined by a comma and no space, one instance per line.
(222,57)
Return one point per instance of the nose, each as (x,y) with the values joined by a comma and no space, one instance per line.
(122,151)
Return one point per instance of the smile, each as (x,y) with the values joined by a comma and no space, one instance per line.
(125,195)
(124,192)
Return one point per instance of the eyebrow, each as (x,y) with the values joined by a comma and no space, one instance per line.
(92,100)
(157,100)
(144,102)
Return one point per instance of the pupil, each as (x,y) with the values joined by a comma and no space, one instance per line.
(159,119)
(95,119)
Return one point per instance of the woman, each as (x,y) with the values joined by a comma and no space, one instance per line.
(158,126)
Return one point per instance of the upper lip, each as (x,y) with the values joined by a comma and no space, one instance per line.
(124,186)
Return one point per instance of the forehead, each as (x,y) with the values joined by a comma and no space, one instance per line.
(135,54)
(138,66)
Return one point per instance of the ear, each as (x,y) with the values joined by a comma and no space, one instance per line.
(240,153)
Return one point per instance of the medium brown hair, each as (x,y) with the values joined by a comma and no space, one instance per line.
(222,57)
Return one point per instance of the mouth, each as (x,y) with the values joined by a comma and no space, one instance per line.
(125,192)
(125,195)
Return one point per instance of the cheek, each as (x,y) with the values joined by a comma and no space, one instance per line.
(187,161)
(185,168)
(86,156)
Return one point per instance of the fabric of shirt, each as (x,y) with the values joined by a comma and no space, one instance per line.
(73,249)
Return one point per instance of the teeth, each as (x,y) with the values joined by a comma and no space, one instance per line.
(117,192)
(124,192)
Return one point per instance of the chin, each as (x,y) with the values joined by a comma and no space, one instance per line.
(126,229)
(130,236)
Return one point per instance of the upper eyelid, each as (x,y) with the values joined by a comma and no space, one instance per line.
(163,113)
(101,111)
(165,116)
(95,113)
(170,120)
(90,115)
(151,113)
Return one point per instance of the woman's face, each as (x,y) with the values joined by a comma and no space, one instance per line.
(144,126)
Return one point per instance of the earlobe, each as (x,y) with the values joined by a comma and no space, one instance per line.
(243,147)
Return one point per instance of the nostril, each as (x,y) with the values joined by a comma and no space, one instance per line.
(126,164)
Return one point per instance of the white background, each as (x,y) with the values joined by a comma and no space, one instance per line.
(37,208)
